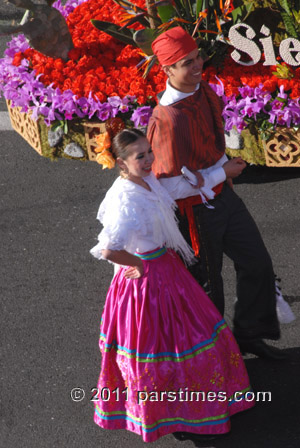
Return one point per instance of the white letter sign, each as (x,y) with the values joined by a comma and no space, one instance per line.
(244,44)
(287,47)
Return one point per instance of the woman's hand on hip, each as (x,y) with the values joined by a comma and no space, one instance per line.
(134,271)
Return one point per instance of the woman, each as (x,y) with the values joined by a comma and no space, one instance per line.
(170,363)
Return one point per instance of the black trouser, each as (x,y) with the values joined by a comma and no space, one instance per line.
(229,228)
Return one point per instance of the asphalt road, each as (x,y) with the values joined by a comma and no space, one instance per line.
(53,291)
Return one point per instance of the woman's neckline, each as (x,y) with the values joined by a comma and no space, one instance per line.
(143,185)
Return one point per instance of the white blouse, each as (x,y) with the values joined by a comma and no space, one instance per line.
(135,219)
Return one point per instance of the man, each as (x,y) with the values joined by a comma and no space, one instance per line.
(186,129)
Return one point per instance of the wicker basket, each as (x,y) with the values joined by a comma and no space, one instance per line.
(283,148)
(28,128)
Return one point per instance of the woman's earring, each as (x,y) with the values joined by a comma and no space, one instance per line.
(125,172)
(123,168)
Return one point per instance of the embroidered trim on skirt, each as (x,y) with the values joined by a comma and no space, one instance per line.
(169,361)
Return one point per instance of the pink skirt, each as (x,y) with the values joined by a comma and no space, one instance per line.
(169,361)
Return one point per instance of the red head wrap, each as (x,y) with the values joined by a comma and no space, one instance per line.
(173,45)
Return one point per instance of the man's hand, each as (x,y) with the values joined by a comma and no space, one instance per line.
(234,167)
(229,182)
(200,180)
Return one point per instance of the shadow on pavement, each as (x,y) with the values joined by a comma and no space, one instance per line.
(272,423)
(254,174)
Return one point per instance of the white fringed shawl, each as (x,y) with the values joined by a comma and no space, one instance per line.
(130,213)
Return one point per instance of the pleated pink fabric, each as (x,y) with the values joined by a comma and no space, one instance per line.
(169,361)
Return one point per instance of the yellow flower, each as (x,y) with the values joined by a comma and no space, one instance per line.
(283,72)
(106,159)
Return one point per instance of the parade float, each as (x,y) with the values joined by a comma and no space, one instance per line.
(76,73)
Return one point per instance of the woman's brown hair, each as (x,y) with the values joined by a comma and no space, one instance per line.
(123,139)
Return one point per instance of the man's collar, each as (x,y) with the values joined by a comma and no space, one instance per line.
(172,95)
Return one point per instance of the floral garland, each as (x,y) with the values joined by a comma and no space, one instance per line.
(257,95)
(101,79)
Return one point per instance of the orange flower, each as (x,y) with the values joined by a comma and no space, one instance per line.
(106,159)
(103,141)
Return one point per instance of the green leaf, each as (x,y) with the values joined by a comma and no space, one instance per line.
(284,5)
(283,72)
(128,6)
(144,38)
(239,14)
(66,127)
(199,6)
(289,24)
(125,35)
(166,12)
(57,124)
(188,11)
(140,17)
(297,16)
(281,100)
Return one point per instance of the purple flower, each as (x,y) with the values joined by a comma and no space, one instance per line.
(93,106)
(83,105)
(233,119)
(69,6)
(250,107)
(246,91)
(141,116)
(18,43)
(104,111)
(281,93)
(126,103)
(23,87)
(295,111)
(218,88)
(115,102)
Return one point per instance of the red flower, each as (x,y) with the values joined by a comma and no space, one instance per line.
(270,85)
(74,54)
(57,76)
(17,58)
(67,84)
(103,66)
(97,64)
